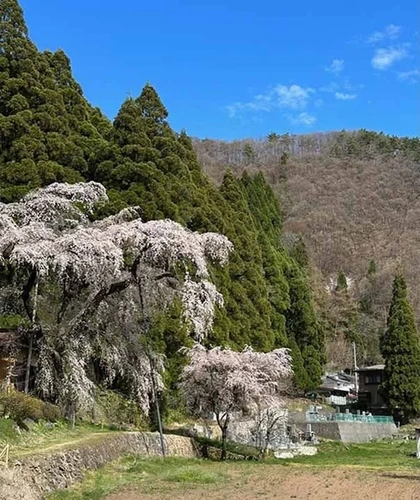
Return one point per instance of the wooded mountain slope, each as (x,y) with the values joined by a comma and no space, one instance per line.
(355,199)
(354,196)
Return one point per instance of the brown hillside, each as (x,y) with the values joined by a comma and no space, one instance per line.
(353,196)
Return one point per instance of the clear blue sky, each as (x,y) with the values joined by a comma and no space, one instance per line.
(235,68)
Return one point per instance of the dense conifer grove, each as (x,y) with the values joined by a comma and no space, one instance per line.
(50,133)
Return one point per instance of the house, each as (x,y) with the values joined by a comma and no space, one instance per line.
(370,378)
(338,389)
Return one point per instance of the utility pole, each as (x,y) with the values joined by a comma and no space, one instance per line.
(355,369)
(146,329)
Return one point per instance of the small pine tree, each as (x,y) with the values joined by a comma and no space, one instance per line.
(249,153)
(372,267)
(283,159)
(341,282)
(400,347)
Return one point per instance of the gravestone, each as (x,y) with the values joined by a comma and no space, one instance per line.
(418,442)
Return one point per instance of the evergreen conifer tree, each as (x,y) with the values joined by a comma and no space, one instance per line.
(400,347)
(372,267)
(300,253)
(341,282)
(303,327)
(47,129)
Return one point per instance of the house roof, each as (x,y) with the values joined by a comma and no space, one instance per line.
(331,388)
(371,368)
(337,382)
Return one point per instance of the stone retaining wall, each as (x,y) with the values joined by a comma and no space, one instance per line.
(61,469)
(352,432)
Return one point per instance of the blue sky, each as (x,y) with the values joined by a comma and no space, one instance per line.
(235,68)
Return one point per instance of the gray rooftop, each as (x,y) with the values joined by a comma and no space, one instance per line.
(371,368)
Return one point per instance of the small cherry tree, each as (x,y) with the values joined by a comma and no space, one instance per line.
(269,425)
(84,284)
(223,381)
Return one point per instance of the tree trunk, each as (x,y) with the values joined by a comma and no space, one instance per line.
(28,362)
(72,417)
(146,330)
(224,437)
(31,339)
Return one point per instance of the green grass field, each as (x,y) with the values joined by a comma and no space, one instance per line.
(176,477)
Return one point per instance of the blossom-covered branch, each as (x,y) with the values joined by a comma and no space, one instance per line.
(48,237)
(222,381)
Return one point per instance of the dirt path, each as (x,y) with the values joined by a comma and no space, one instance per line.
(75,442)
(280,483)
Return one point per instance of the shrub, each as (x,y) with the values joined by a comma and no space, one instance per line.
(51,412)
(11,321)
(7,430)
(116,410)
(20,406)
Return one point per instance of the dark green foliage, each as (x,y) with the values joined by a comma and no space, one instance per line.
(247,304)
(116,410)
(249,154)
(372,268)
(168,336)
(300,374)
(49,132)
(400,347)
(272,137)
(299,253)
(267,217)
(11,321)
(313,361)
(367,144)
(341,282)
(302,324)
(283,159)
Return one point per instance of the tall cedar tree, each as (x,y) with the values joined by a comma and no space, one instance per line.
(266,213)
(48,131)
(400,347)
(303,326)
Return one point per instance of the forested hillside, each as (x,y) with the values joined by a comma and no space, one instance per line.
(354,197)
(50,133)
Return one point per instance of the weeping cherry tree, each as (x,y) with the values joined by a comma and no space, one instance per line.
(84,283)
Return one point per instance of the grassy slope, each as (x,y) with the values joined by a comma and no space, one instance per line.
(44,440)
